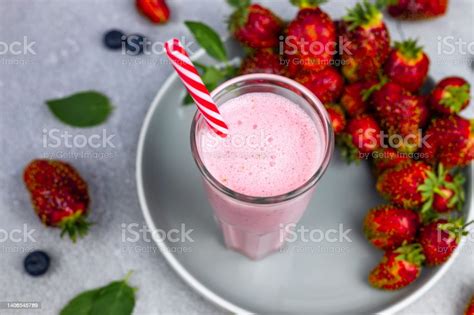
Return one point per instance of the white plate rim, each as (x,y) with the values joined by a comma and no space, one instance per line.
(202,289)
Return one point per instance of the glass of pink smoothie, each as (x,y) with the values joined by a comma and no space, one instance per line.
(261,177)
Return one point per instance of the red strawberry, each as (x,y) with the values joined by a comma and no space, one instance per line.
(415,185)
(449,140)
(407,65)
(418,9)
(156,10)
(59,196)
(388,158)
(442,193)
(365,42)
(398,268)
(262,61)
(388,227)
(450,95)
(353,100)
(254,25)
(440,238)
(326,84)
(470,307)
(310,38)
(401,115)
(400,185)
(365,133)
(336,115)
(362,136)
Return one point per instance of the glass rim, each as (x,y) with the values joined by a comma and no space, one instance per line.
(317,106)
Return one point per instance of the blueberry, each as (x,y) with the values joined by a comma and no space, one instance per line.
(136,44)
(36,263)
(113,39)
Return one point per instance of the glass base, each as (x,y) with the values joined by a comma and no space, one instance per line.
(254,246)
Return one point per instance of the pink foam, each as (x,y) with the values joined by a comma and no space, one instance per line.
(273,146)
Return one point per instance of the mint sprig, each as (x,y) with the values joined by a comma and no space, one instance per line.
(208,39)
(116,298)
(83,109)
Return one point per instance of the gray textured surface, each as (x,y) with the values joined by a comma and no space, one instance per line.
(69,57)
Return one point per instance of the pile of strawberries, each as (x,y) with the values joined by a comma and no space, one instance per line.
(371,90)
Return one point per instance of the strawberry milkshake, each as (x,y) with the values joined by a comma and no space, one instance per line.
(260,178)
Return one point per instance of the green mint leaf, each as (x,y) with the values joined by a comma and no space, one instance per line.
(208,39)
(212,77)
(83,109)
(81,304)
(188,100)
(116,298)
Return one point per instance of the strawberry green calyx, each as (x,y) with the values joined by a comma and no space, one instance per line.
(412,253)
(434,184)
(238,19)
(239,3)
(74,226)
(347,149)
(307,4)
(364,14)
(409,49)
(455,97)
(456,228)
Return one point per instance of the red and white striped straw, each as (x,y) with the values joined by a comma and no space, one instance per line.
(196,88)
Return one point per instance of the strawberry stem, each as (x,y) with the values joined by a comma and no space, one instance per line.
(368,92)
(467,224)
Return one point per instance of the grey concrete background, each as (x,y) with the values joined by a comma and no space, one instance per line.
(69,57)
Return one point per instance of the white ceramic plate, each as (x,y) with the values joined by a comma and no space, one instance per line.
(307,277)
